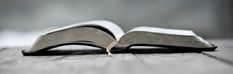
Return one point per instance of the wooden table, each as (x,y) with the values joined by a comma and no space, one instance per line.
(96,61)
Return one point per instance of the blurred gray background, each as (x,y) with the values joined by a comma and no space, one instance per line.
(24,20)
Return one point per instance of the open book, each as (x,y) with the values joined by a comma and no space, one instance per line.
(107,35)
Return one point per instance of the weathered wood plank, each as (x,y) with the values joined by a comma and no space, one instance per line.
(187,63)
(13,62)
(224,52)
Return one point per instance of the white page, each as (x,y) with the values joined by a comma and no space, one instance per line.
(164,31)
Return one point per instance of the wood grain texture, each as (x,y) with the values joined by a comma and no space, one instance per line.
(13,62)
(187,63)
(224,52)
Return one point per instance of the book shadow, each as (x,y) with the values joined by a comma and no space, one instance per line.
(156,50)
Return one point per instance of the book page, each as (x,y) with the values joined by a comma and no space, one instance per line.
(95,33)
(111,27)
(164,30)
(162,37)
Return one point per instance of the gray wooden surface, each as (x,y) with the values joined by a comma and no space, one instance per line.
(206,62)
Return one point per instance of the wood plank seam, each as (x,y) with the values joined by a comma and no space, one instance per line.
(219,59)
(142,62)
